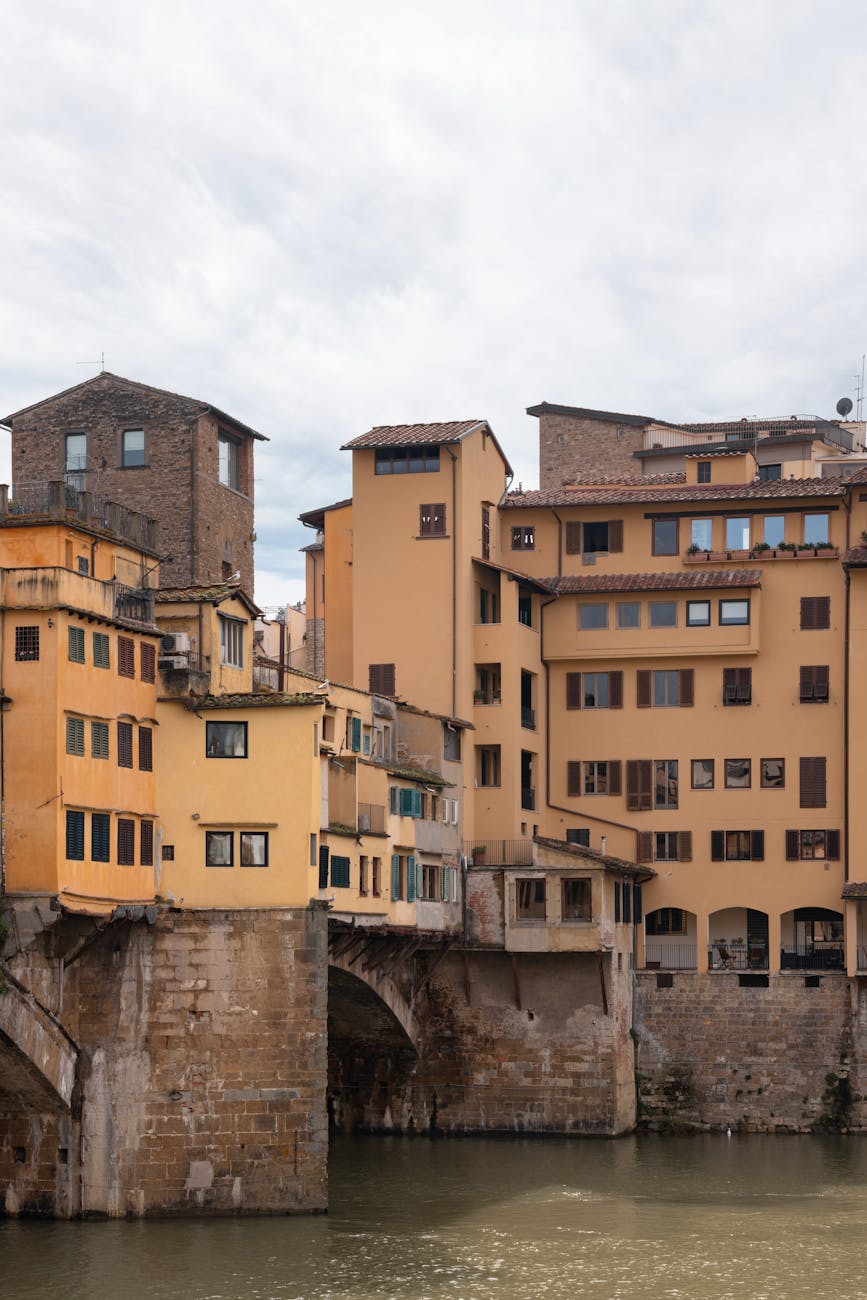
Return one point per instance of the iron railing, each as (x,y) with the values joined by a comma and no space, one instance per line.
(740,956)
(669,956)
(827,957)
(499,853)
(528,719)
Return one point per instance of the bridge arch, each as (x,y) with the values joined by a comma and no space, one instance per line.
(39,1057)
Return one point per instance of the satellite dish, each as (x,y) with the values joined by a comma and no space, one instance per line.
(844,406)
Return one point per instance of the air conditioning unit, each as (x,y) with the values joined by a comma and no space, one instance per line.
(167,662)
(175,643)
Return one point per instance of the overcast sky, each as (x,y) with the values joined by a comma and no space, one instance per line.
(322,217)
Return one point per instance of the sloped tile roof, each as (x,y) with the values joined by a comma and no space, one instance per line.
(855,889)
(411,435)
(856,557)
(256,700)
(703,580)
(630,480)
(585,494)
(204,593)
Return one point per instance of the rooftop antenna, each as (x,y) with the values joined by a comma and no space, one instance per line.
(859,389)
(100,362)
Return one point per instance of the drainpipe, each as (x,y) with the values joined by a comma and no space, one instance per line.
(559,543)
(2,758)
(847,616)
(454,581)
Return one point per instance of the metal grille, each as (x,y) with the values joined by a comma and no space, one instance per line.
(26,644)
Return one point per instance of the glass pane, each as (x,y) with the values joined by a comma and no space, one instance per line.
(701,534)
(665,537)
(629,614)
(592,616)
(219,849)
(815,528)
(774,529)
(773,773)
(737,773)
(134,447)
(697,613)
(663,613)
(76,451)
(702,773)
(734,611)
(254,849)
(737,534)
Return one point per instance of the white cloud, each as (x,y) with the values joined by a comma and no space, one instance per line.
(322,218)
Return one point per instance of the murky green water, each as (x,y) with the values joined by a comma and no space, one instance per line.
(650,1217)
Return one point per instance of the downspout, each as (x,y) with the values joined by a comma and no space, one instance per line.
(847,608)
(559,543)
(454,581)
(2,758)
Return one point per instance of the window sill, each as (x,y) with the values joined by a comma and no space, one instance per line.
(432,537)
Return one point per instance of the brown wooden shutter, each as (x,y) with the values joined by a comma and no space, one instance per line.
(615,534)
(757,846)
(687,688)
(573,538)
(717,846)
(815,612)
(614,776)
(573,777)
(793,846)
(639,784)
(833,845)
(813,783)
(684,846)
(642,680)
(645,846)
(615,690)
(814,683)
(381,679)
(737,685)
(573,690)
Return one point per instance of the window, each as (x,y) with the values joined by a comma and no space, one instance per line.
(665,847)
(232,641)
(125,656)
(26,644)
(811,845)
(75,736)
(813,782)
(314,851)
(101,650)
(219,848)
(339,872)
(576,900)
(665,783)
(145,749)
(815,613)
(486,532)
(228,455)
(734,612)
(738,773)
(146,844)
(148,661)
(376,877)
(665,688)
(698,613)
(814,684)
(124,744)
(100,837)
(524,537)
(628,614)
(74,836)
(432,520)
(594,539)
(82,565)
(737,685)
(665,537)
(773,773)
(702,773)
(770,473)
(530,900)
(407,460)
(380,679)
(76,645)
(774,529)
(594,690)
(525,607)
(430,882)
(639,784)
(76,460)
(363,876)
(703,471)
(701,534)
(133,448)
(451,743)
(663,613)
(594,777)
(737,846)
(226,739)
(99,739)
(592,617)
(666,920)
(579,835)
(488,764)
(738,533)
(405,802)
(815,529)
(125,842)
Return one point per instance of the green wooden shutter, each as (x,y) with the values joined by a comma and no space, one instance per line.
(393,799)
(445,882)
(410,879)
(356,735)
(395,877)
(417,803)
(406,802)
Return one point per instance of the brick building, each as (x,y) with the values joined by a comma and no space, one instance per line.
(178,460)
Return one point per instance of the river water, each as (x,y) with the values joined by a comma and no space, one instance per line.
(695,1217)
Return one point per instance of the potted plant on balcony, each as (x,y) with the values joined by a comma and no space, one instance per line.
(760,550)
(786,551)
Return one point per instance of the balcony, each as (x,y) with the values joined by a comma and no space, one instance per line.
(669,956)
(822,956)
(487,697)
(528,720)
(64,501)
(499,853)
(737,956)
(134,604)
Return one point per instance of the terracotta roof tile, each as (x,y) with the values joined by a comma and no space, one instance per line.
(206,593)
(704,579)
(630,480)
(410,435)
(254,700)
(856,557)
(855,889)
(588,495)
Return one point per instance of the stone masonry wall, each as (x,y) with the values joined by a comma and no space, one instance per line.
(713,1053)
(162,488)
(572,448)
(201,1078)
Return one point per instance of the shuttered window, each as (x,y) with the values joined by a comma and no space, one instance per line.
(125,842)
(74,836)
(395,877)
(814,683)
(100,837)
(76,645)
(665,688)
(432,519)
(737,846)
(145,749)
(146,844)
(639,784)
(811,844)
(125,656)
(381,679)
(124,744)
(813,782)
(101,650)
(594,538)
(75,736)
(99,739)
(148,659)
(594,690)
(815,612)
(737,685)
(340,871)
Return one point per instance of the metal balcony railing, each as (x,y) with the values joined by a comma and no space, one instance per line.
(737,956)
(499,853)
(824,957)
(528,719)
(669,956)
